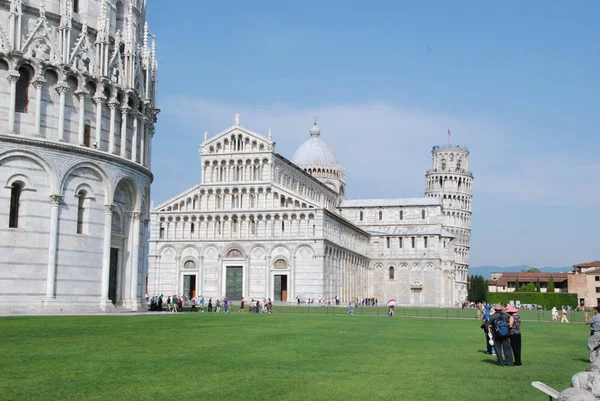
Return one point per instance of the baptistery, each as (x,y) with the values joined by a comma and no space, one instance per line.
(78,87)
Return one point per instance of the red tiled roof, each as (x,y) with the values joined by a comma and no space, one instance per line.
(589,264)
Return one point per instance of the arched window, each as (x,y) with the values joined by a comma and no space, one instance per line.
(80,211)
(391,272)
(189,265)
(423,214)
(192,228)
(380,215)
(401,215)
(86,135)
(120,16)
(15,196)
(361,216)
(75,6)
(21,99)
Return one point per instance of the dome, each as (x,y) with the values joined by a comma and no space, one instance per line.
(315,151)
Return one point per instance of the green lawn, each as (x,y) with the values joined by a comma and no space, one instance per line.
(300,356)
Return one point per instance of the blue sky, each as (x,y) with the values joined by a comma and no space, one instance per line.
(517,82)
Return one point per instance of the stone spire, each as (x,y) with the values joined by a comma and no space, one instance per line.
(237,118)
(270,137)
(129,34)
(145,51)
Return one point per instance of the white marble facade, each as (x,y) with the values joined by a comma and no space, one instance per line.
(262,226)
(77,113)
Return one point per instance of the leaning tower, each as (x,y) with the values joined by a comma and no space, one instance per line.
(78,83)
(451,181)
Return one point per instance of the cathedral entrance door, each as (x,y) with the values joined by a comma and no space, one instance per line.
(189,286)
(280,287)
(233,286)
(112,278)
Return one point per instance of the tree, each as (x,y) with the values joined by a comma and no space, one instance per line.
(517,284)
(550,284)
(530,287)
(537,285)
(531,270)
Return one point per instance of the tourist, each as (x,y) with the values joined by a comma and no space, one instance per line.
(391,311)
(180,302)
(226,305)
(174,300)
(514,325)
(351,309)
(486,331)
(201,303)
(594,340)
(241,306)
(498,323)
(269,306)
(554,314)
(210,304)
(193,305)
(169,303)
(218,306)
(564,315)
(252,307)
(160,302)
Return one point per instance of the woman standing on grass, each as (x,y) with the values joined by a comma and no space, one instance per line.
(514,335)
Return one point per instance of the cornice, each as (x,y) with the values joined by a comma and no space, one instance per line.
(81,150)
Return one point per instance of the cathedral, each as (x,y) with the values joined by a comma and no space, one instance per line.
(78,86)
(260,225)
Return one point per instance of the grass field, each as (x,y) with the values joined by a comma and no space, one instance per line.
(301,356)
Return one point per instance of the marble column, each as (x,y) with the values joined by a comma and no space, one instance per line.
(134,137)
(12,78)
(135,258)
(52,246)
(81,124)
(99,99)
(124,113)
(177,270)
(62,89)
(108,211)
(142,136)
(112,105)
(38,83)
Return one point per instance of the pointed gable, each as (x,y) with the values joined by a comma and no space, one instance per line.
(236,139)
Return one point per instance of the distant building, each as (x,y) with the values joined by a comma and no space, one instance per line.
(585,281)
(506,281)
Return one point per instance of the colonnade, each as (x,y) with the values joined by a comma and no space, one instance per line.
(346,274)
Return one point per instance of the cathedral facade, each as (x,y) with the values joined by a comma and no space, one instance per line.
(78,83)
(262,226)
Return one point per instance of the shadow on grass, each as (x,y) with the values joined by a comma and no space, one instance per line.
(582,360)
(491,361)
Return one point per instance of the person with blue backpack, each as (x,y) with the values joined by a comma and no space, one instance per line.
(498,325)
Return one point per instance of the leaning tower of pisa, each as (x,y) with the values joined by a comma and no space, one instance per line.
(78,88)
(451,181)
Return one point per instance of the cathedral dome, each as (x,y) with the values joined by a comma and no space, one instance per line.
(315,151)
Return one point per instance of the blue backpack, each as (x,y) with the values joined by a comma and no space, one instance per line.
(501,326)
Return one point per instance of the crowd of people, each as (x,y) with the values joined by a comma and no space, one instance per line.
(199,304)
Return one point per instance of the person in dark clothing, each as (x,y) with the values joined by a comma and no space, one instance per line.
(515,333)
(210,304)
(501,342)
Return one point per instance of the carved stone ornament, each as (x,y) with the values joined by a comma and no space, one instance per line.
(55,200)
(136,216)
(108,209)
